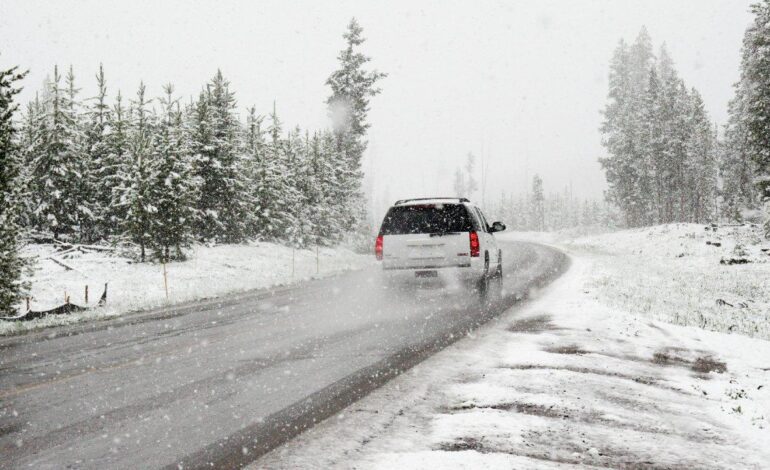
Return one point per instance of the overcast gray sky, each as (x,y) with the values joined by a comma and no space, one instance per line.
(521,82)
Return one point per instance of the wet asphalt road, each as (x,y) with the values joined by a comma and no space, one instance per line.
(216,384)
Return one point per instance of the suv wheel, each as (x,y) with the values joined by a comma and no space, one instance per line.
(483,283)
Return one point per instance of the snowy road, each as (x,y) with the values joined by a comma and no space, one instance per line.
(221,382)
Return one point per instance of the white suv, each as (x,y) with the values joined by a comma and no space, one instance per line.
(447,236)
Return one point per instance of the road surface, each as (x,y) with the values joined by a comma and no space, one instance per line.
(218,383)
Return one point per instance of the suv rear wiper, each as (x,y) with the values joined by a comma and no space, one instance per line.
(441,234)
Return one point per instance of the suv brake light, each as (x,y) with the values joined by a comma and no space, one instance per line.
(474,239)
(378,247)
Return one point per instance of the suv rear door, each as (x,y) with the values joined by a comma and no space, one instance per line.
(419,236)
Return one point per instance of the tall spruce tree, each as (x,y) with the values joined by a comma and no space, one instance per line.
(98,150)
(352,87)
(114,172)
(752,112)
(12,285)
(57,164)
(736,167)
(136,199)
(223,211)
(254,148)
(172,185)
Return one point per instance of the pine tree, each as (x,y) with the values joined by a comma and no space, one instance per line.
(29,148)
(57,164)
(736,166)
(223,212)
(276,193)
(352,87)
(98,161)
(751,113)
(114,172)
(661,162)
(701,168)
(618,133)
(12,264)
(136,199)
(171,186)
(254,146)
(537,205)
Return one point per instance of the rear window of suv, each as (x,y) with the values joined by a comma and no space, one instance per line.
(426,218)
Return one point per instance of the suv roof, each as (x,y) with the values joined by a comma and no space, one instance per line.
(430,200)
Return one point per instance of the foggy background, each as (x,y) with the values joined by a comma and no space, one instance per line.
(519,84)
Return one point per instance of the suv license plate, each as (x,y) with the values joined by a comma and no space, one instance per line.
(426,274)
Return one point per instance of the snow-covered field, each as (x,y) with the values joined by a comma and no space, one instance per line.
(209,272)
(681,273)
(581,376)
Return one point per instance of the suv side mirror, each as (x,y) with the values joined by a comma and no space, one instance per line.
(497,227)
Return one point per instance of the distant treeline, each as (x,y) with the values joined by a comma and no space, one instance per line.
(541,211)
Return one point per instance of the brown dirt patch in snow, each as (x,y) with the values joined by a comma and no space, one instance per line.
(708,364)
(640,379)
(536,324)
(516,407)
(568,349)
(701,364)
(464,443)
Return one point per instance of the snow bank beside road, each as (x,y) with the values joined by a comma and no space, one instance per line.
(565,382)
(685,274)
(209,272)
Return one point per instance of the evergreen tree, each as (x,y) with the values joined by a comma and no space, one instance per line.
(136,199)
(172,185)
(701,168)
(254,148)
(218,162)
(12,265)
(751,113)
(352,87)
(114,172)
(29,147)
(618,135)
(661,166)
(98,164)
(537,205)
(57,164)
(736,166)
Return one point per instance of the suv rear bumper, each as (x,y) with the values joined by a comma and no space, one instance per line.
(423,267)
(467,272)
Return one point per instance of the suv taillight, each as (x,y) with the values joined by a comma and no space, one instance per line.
(378,247)
(474,239)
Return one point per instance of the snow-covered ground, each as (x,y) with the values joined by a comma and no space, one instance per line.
(687,274)
(578,377)
(209,272)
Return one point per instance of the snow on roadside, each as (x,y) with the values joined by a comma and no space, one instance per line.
(566,381)
(209,272)
(687,274)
